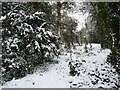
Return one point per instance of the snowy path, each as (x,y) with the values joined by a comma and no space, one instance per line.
(93,72)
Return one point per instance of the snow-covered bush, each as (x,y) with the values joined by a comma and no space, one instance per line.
(27,41)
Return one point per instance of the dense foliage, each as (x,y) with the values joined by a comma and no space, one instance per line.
(69,35)
(106,17)
(30,33)
(27,38)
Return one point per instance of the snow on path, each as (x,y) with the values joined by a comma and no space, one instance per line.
(52,78)
(92,68)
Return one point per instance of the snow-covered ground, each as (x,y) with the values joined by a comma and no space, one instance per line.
(93,72)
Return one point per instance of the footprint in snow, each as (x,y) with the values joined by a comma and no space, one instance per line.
(33,83)
(83,61)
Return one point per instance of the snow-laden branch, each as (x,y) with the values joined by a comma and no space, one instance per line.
(42,25)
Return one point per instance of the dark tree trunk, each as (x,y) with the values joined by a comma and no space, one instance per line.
(59,5)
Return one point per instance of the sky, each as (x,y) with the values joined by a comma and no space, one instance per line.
(80,18)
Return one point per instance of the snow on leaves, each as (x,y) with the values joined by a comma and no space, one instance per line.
(26,41)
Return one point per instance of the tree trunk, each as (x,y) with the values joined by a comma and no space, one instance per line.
(59,5)
(115,28)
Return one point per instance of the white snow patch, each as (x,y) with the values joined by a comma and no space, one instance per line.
(93,72)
